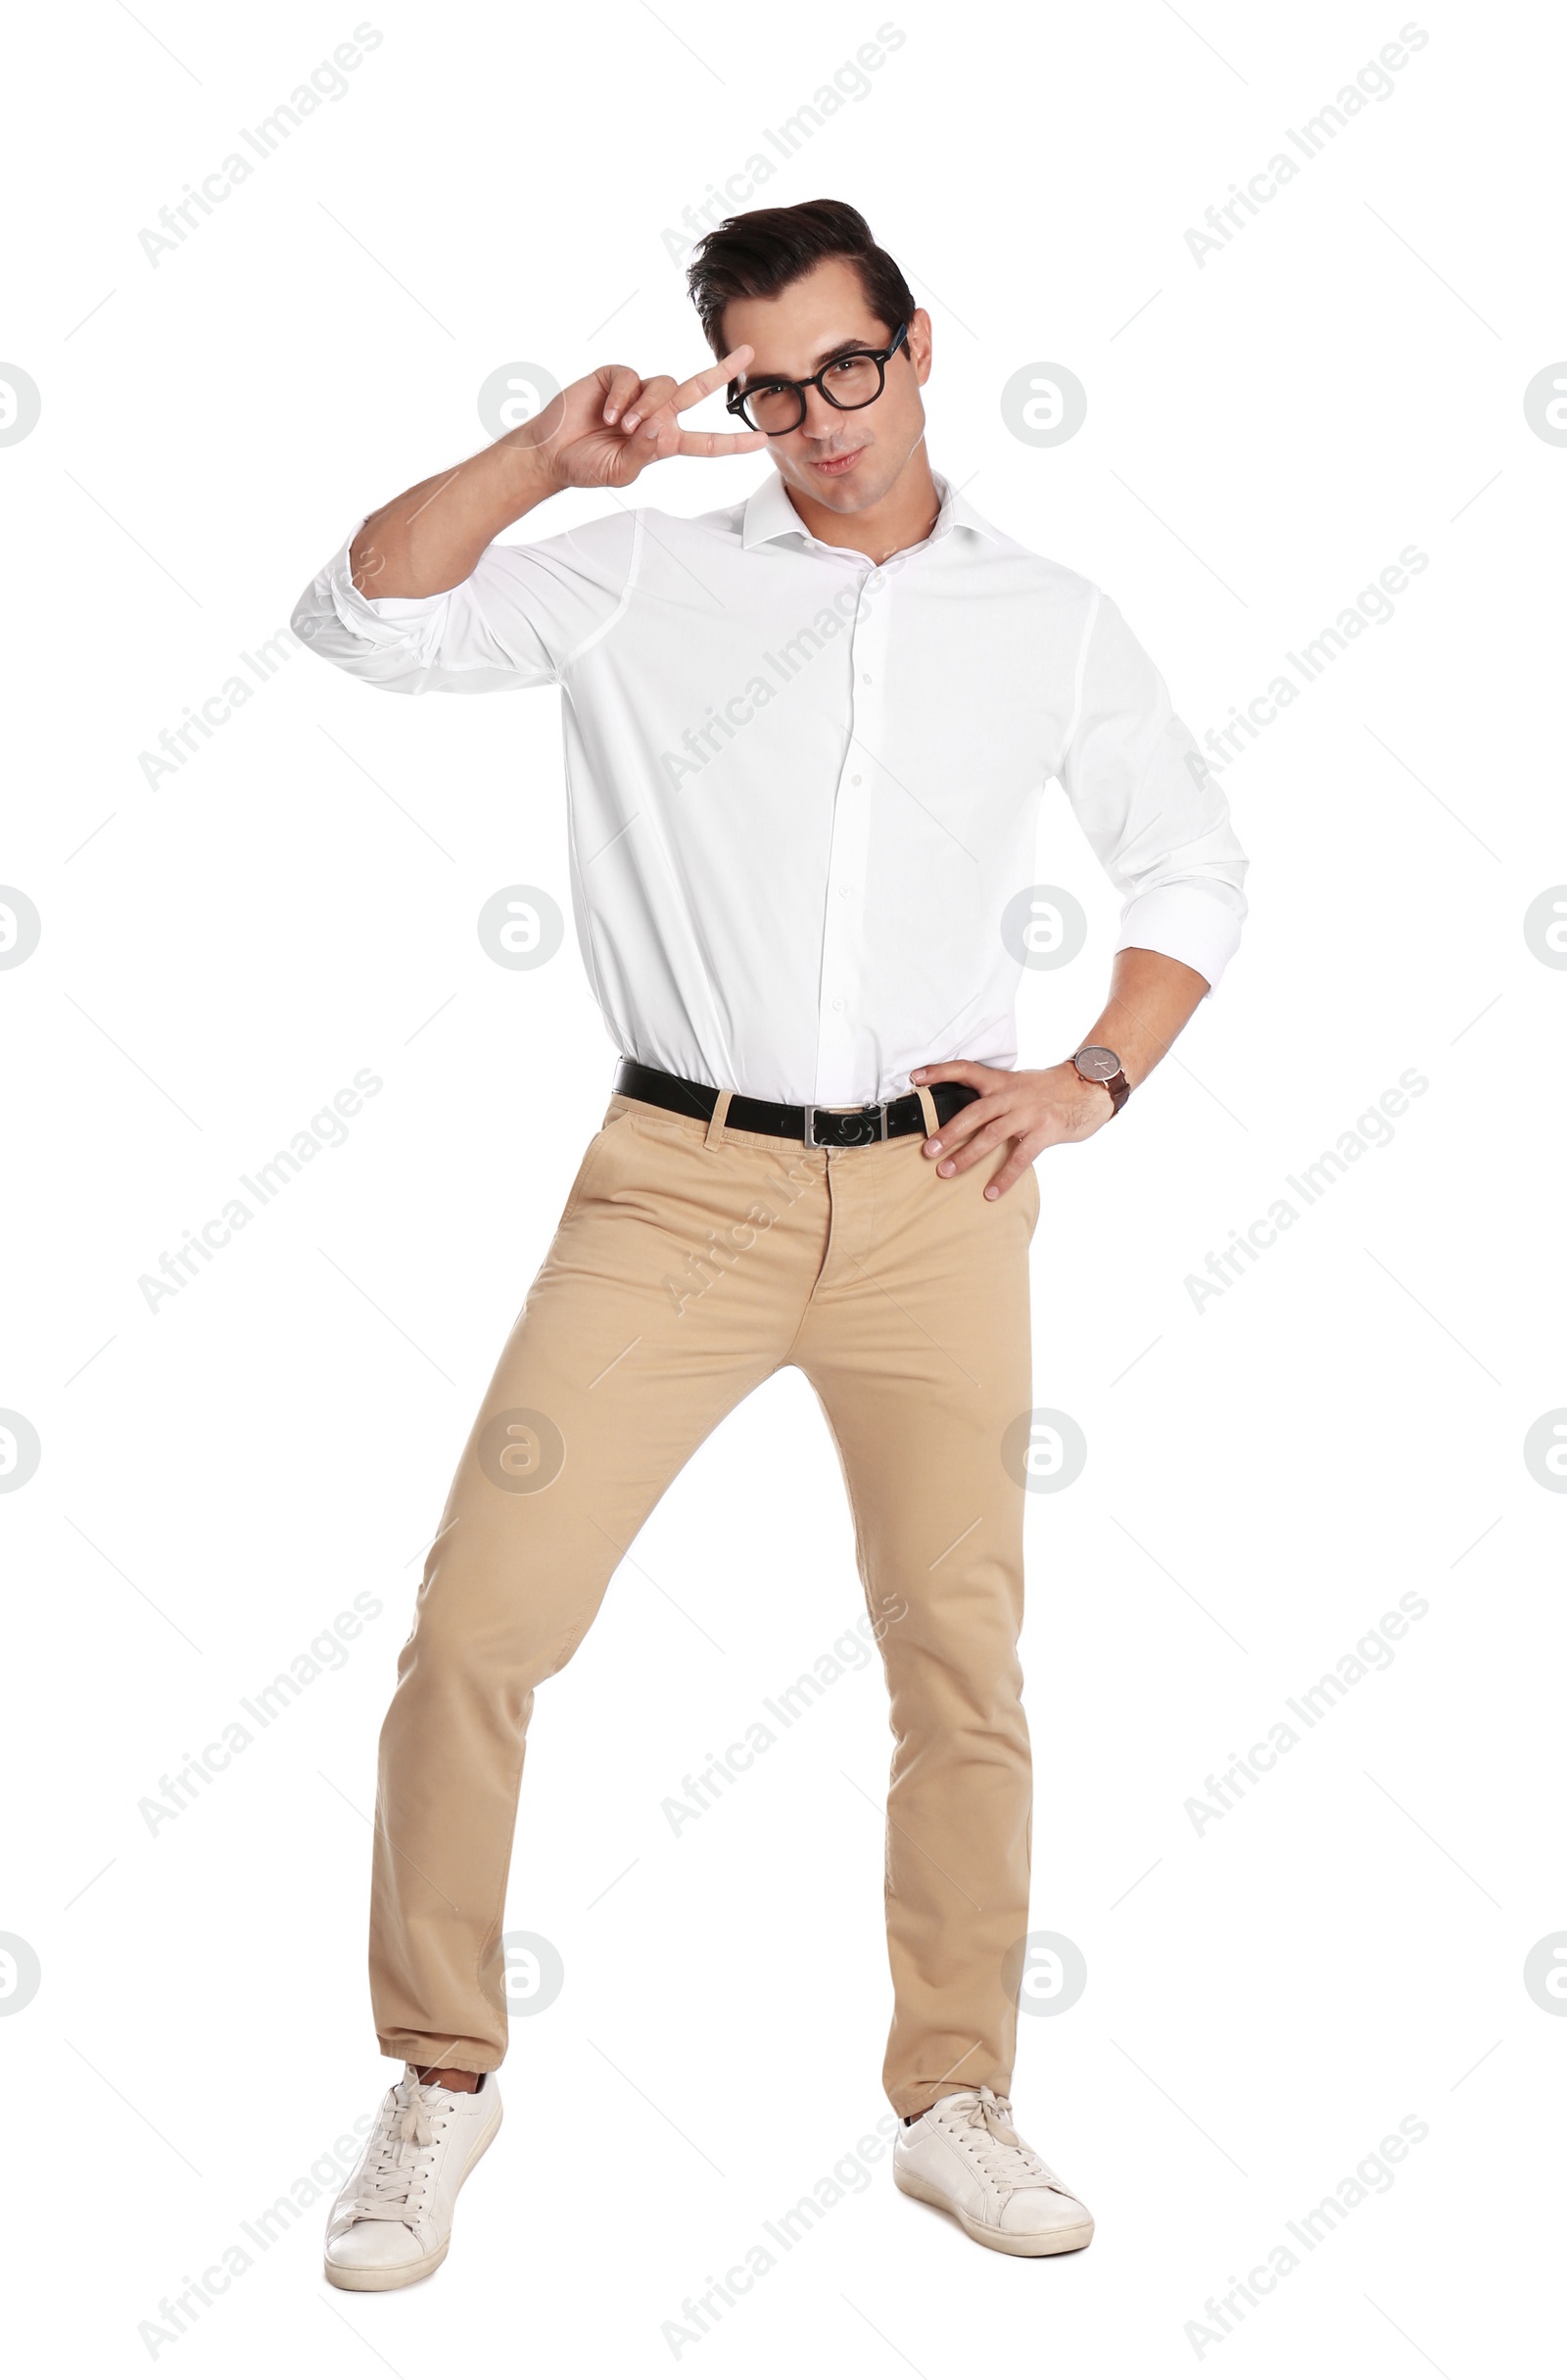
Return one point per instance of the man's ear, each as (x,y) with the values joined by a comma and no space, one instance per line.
(918,344)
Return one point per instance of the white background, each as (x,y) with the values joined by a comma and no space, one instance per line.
(1266,1476)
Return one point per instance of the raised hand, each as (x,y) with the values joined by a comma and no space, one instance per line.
(604,430)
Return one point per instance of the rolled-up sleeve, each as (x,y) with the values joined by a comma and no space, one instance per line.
(1150,806)
(518,621)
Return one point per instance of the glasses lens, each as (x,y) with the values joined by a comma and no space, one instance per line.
(773,409)
(852,381)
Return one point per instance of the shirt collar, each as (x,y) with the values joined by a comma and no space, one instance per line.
(770,514)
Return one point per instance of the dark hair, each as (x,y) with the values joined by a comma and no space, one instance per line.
(756,255)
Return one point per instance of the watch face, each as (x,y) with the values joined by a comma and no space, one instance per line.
(1098,1065)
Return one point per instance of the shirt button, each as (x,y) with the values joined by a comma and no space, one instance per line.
(854,780)
(866,676)
(837,1004)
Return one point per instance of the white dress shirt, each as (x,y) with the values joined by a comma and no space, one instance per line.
(804,786)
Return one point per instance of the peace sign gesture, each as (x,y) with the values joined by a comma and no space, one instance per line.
(602,431)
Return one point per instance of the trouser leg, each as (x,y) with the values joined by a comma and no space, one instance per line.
(658,1307)
(916,1342)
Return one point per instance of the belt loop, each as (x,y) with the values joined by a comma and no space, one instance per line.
(927,1109)
(715,1129)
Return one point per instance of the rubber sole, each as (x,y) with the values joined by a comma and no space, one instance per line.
(1010,2243)
(399,2276)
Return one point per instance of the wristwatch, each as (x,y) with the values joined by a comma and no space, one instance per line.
(1095,1064)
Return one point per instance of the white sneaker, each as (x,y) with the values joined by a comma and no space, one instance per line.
(963,2156)
(391,2223)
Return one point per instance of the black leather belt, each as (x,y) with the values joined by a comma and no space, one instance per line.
(819,1127)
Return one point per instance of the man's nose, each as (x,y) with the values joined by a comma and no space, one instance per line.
(822,419)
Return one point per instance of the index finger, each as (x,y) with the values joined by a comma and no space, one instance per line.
(702,384)
(721,441)
(954,1069)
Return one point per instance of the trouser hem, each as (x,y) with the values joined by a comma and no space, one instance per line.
(440,2049)
(917,2098)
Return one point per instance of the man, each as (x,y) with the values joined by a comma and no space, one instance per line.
(806,741)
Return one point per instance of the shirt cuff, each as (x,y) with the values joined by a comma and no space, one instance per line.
(1184,922)
(332,603)
(358,631)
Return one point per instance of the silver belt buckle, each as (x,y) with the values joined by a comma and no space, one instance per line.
(877,1109)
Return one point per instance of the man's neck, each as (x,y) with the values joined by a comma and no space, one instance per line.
(903,518)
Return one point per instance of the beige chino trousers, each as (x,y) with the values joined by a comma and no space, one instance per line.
(689,1262)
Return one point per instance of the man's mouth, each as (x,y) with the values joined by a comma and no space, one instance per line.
(835,466)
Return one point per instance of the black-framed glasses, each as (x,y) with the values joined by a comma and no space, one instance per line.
(848,382)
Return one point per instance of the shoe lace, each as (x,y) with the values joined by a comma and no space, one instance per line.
(984,2127)
(401,2153)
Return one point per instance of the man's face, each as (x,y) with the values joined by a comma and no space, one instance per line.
(844,460)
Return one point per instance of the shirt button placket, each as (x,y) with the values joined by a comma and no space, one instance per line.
(842,1054)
